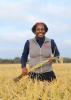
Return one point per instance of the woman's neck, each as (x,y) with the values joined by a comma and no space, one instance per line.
(40,41)
(40,38)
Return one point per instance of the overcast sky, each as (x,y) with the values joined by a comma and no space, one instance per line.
(18,16)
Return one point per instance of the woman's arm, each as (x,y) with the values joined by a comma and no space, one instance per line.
(25,53)
(55,50)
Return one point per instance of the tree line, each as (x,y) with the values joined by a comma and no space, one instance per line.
(17,60)
(10,61)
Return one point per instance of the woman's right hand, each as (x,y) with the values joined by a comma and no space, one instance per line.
(24,71)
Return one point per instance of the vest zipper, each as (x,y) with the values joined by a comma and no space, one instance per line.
(40,60)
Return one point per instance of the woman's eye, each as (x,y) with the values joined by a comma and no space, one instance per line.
(40,29)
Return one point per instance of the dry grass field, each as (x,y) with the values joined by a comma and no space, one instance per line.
(27,89)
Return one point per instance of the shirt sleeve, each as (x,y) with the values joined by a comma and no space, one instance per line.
(25,53)
(55,50)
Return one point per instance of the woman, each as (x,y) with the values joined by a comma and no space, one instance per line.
(39,49)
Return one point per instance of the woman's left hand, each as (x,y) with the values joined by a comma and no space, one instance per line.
(50,60)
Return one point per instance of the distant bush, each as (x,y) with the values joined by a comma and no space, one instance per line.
(67,60)
(8,61)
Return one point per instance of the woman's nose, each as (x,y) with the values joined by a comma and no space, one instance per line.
(40,31)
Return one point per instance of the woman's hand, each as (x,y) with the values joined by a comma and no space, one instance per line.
(50,60)
(24,71)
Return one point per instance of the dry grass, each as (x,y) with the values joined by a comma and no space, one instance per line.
(26,89)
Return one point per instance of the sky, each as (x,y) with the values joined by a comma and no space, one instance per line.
(18,16)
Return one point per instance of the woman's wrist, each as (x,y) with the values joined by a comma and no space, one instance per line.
(24,71)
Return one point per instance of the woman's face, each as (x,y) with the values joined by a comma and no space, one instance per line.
(40,30)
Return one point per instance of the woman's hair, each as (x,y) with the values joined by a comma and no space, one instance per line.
(34,27)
